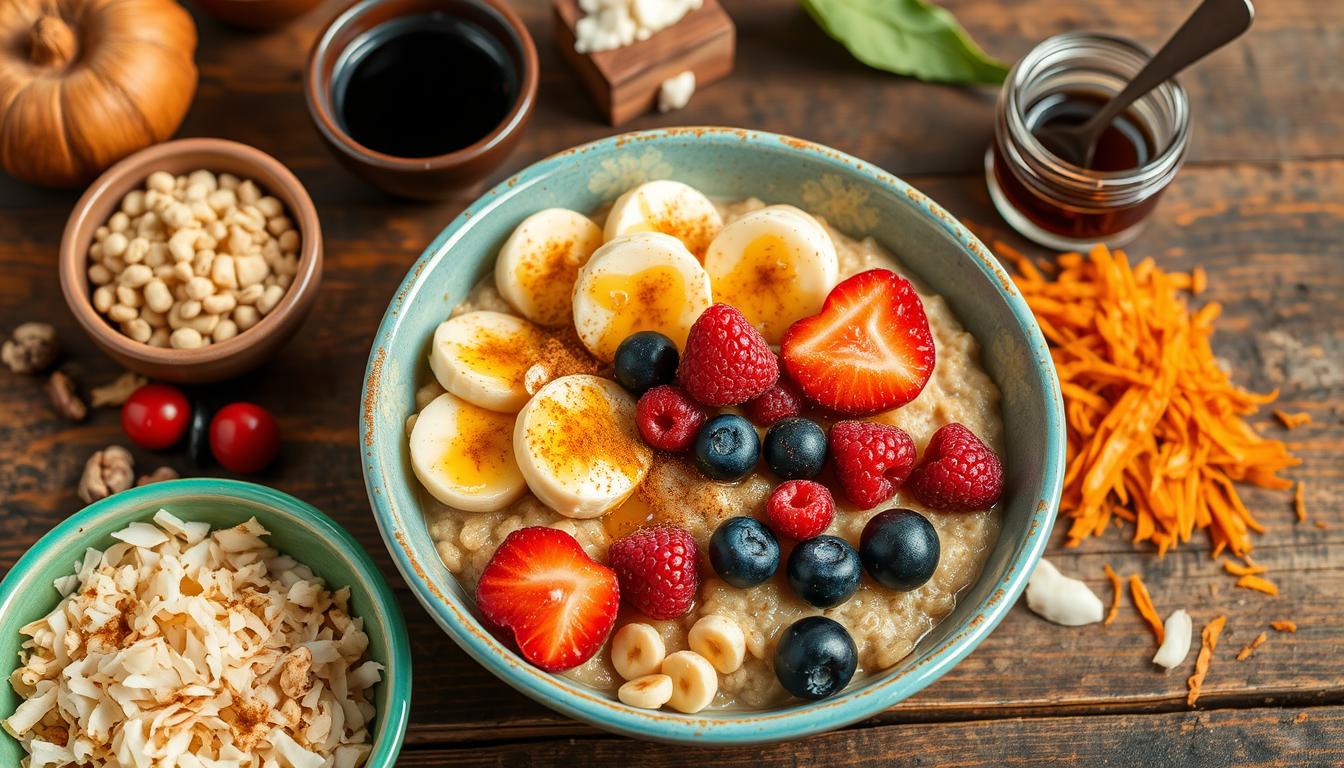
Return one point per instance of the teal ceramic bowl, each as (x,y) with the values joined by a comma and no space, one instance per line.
(732,164)
(297,529)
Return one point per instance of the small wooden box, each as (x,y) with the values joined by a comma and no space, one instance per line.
(624,82)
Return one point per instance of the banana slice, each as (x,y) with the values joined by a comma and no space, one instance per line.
(536,268)
(463,455)
(669,207)
(483,357)
(694,681)
(647,692)
(637,650)
(642,282)
(578,448)
(776,264)
(720,640)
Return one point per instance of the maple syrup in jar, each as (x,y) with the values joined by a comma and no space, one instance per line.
(1064,81)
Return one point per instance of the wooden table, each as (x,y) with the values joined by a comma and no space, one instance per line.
(1260,204)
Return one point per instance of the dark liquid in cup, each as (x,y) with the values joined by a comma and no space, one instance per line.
(424,85)
(1122,146)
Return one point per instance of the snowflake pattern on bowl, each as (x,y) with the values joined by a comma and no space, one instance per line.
(628,170)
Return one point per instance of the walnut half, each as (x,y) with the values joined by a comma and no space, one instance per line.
(31,348)
(108,471)
(65,397)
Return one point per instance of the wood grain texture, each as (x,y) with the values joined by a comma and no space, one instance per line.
(1266,738)
(1260,206)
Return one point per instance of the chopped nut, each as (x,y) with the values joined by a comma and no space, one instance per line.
(295,679)
(158,476)
(31,348)
(117,392)
(65,397)
(108,471)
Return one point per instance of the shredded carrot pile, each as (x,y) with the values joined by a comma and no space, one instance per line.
(1144,602)
(1155,428)
(1292,420)
(1208,641)
(1284,625)
(1117,587)
(1237,569)
(1299,503)
(1259,584)
(1245,653)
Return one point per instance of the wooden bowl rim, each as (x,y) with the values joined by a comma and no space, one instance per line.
(102,199)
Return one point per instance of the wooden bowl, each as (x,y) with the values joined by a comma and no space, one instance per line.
(423,178)
(225,359)
(257,14)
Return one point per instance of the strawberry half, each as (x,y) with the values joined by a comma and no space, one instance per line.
(868,350)
(559,603)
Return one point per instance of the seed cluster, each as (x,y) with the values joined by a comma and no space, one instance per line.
(192,260)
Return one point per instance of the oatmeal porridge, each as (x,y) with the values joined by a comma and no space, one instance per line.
(628,486)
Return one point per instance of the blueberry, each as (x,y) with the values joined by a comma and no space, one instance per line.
(899,548)
(795,448)
(824,571)
(727,448)
(815,658)
(198,433)
(644,360)
(743,552)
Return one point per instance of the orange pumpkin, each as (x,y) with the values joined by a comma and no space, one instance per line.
(83,83)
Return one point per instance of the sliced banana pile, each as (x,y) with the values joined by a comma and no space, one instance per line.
(663,256)
(687,681)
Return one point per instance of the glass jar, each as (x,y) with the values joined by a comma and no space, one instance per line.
(1061,205)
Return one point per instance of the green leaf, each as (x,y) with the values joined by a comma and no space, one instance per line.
(908,37)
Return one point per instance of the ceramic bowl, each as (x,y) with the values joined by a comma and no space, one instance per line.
(860,200)
(225,359)
(422,178)
(312,538)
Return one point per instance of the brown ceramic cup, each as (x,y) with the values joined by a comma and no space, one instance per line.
(225,359)
(423,178)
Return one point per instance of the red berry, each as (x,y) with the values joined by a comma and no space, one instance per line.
(871,460)
(800,509)
(657,569)
(559,603)
(868,350)
(958,472)
(668,418)
(156,416)
(778,402)
(244,437)
(726,360)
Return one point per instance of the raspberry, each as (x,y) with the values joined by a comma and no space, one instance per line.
(778,402)
(800,509)
(668,418)
(958,472)
(656,568)
(726,360)
(871,460)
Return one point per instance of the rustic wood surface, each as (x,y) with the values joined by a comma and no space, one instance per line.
(1260,205)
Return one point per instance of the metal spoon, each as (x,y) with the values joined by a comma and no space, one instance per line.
(1214,23)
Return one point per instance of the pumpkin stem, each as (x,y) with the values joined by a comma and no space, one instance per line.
(53,42)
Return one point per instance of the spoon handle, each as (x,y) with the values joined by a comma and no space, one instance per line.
(1214,24)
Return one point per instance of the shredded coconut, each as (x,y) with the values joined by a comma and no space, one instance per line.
(181,648)
(675,92)
(611,24)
